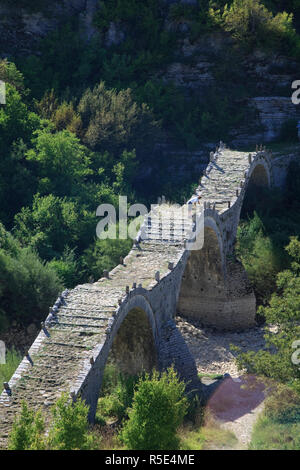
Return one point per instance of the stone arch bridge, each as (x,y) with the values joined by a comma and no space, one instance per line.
(129,315)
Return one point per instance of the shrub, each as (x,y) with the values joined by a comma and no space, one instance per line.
(66,268)
(283,405)
(65,117)
(113,121)
(16,121)
(284,312)
(17,182)
(52,224)
(158,409)
(28,285)
(27,431)
(104,254)
(252,24)
(278,427)
(69,426)
(10,74)
(261,259)
(60,161)
(116,394)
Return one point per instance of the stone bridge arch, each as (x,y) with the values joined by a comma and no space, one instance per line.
(202,288)
(215,289)
(259,175)
(132,343)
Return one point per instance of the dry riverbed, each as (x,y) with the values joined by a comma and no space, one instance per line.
(239,399)
(211,349)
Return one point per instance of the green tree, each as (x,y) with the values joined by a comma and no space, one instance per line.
(17,182)
(158,409)
(28,286)
(103,254)
(66,268)
(11,75)
(49,226)
(62,163)
(113,121)
(27,431)
(283,311)
(252,24)
(16,121)
(69,426)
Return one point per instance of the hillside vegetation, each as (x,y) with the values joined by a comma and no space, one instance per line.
(82,120)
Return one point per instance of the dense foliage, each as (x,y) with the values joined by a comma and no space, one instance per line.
(265,231)
(158,409)
(28,285)
(278,427)
(82,120)
(69,428)
(283,312)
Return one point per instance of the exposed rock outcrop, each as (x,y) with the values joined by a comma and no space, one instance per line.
(21,29)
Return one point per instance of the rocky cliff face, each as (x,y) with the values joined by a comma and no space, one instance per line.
(21,28)
(198,67)
(268,76)
(272,112)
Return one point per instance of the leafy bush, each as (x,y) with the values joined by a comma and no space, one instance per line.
(16,121)
(54,223)
(28,285)
(61,162)
(69,426)
(116,394)
(65,117)
(104,254)
(284,312)
(69,429)
(252,24)
(261,259)
(113,121)
(283,405)
(27,431)
(266,229)
(11,75)
(278,427)
(17,182)
(157,411)
(66,268)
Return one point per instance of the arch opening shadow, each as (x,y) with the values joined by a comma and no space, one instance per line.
(202,293)
(257,191)
(259,177)
(133,350)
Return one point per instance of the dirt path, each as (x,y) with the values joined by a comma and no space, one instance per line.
(236,405)
(239,399)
